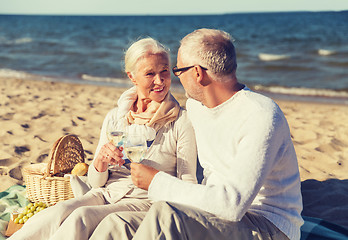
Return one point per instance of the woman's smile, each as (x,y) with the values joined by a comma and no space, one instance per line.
(160,89)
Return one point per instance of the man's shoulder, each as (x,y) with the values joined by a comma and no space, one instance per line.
(193,105)
(257,100)
(259,107)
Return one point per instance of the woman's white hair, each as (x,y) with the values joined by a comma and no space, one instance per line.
(140,49)
(210,48)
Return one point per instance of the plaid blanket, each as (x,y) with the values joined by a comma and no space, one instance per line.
(10,200)
(319,229)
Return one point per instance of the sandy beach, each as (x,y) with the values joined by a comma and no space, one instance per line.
(33,114)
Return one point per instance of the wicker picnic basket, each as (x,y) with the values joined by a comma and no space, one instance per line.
(45,182)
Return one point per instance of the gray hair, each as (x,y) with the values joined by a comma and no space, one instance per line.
(210,48)
(140,49)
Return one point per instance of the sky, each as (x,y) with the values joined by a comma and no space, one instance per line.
(162,7)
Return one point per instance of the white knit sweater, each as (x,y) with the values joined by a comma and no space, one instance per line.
(249,162)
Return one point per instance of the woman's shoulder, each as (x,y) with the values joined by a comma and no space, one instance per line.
(182,121)
(113,110)
(112,113)
(182,115)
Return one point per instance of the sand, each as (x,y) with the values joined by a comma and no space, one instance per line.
(33,114)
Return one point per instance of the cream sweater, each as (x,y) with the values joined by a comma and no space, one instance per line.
(249,162)
(173,151)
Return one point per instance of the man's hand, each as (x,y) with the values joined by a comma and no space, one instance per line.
(142,175)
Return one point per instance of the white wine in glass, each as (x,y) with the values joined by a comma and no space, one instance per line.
(116,138)
(135,147)
(115,134)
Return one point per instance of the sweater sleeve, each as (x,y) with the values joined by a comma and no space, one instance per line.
(186,152)
(229,192)
(98,179)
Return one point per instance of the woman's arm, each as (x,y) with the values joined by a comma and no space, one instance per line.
(105,153)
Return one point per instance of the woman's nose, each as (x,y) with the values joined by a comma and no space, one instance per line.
(158,79)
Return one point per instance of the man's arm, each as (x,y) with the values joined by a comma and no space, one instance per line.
(229,192)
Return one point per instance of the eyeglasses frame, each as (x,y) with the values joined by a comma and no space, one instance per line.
(178,71)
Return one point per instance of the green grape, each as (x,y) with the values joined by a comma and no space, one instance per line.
(30,210)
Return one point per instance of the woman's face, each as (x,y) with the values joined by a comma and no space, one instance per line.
(152,77)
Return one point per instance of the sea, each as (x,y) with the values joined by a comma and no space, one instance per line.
(291,55)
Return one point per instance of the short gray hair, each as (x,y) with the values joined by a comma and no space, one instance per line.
(210,48)
(140,49)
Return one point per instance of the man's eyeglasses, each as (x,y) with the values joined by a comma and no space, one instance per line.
(178,71)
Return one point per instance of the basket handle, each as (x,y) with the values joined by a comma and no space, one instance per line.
(51,156)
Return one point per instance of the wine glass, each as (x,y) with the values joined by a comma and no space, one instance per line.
(135,147)
(115,132)
(116,138)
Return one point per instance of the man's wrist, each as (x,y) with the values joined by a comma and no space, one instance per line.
(153,181)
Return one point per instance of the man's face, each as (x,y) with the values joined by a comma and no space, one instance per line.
(188,82)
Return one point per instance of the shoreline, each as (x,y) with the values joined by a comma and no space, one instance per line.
(306,99)
(325,96)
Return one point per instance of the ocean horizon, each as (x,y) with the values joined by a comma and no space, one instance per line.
(293,55)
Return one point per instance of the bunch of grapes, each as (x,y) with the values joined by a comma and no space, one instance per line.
(30,210)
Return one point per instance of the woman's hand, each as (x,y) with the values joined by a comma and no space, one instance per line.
(108,154)
(142,175)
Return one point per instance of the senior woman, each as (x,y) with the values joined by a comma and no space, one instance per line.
(147,108)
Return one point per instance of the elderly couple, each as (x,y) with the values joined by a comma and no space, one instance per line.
(251,185)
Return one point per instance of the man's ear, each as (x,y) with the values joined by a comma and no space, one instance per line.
(131,77)
(199,75)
